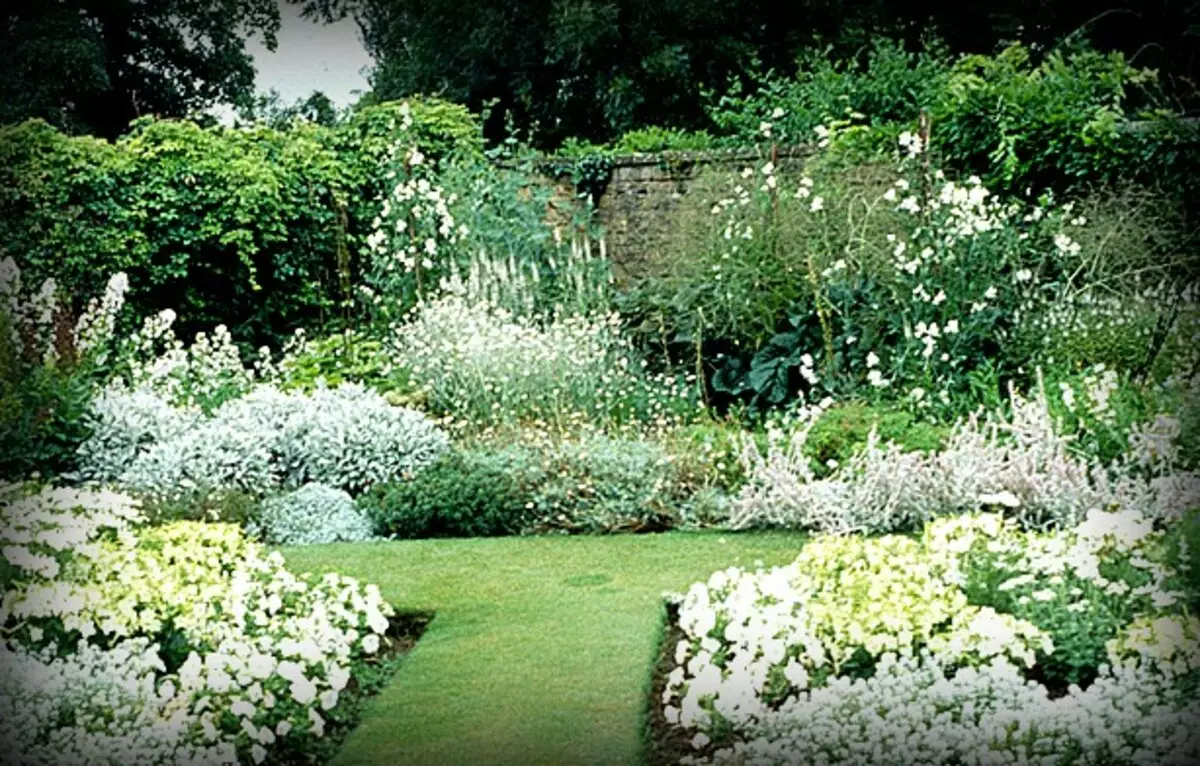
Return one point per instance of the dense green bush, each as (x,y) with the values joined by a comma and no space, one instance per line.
(658,139)
(842,431)
(254,228)
(464,494)
(1017,119)
(43,419)
(886,85)
(596,484)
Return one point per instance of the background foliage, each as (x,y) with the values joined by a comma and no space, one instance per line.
(256,228)
(596,68)
(92,67)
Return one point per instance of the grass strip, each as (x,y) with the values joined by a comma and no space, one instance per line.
(542,649)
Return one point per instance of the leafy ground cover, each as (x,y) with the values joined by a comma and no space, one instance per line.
(541,649)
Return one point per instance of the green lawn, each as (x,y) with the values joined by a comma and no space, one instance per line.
(542,648)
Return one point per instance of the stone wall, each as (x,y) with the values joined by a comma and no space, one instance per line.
(645,192)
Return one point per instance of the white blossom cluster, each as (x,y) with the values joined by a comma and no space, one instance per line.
(206,373)
(1119,325)
(28,318)
(918,711)
(268,653)
(313,514)
(1022,463)
(413,218)
(486,363)
(95,326)
(110,699)
(347,437)
(866,650)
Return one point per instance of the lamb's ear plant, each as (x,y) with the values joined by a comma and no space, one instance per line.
(348,437)
(1021,461)
(313,514)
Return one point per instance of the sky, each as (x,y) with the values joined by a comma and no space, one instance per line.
(312,56)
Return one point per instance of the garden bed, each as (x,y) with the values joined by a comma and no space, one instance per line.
(977,641)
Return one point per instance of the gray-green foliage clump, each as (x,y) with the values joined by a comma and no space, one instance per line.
(348,437)
(313,514)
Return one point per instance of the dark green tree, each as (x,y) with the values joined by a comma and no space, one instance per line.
(271,109)
(94,65)
(595,68)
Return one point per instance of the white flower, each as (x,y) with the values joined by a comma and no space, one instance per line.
(370,643)
(242,708)
(328,699)
(317,722)
(1005,498)
(872,359)
(303,691)
(817,204)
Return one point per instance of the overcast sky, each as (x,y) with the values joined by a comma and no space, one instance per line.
(311,56)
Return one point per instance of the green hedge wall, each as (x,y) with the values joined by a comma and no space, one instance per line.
(254,227)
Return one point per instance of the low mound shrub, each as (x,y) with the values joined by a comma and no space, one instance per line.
(462,494)
(347,437)
(314,513)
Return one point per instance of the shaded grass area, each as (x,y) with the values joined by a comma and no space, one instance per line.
(542,649)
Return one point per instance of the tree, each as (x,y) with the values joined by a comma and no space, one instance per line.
(587,68)
(271,109)
(595,68)
(94,65)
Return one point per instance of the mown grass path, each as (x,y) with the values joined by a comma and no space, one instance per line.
(542,649)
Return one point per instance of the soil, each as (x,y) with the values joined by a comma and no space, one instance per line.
(665,743)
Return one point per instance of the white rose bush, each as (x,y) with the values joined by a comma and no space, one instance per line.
(183,643)
(977,642)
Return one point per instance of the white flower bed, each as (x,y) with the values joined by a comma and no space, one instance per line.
(880,651)
(179,644)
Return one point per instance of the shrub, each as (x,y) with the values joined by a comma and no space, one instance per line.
(595,483)
(843,430)
(657,139)
(169,643)
(254,228)
(312,514)
(1017,119)
(463,494)
(1020,462)
(483,365)
(123,425)
(887,85)
(348,438)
